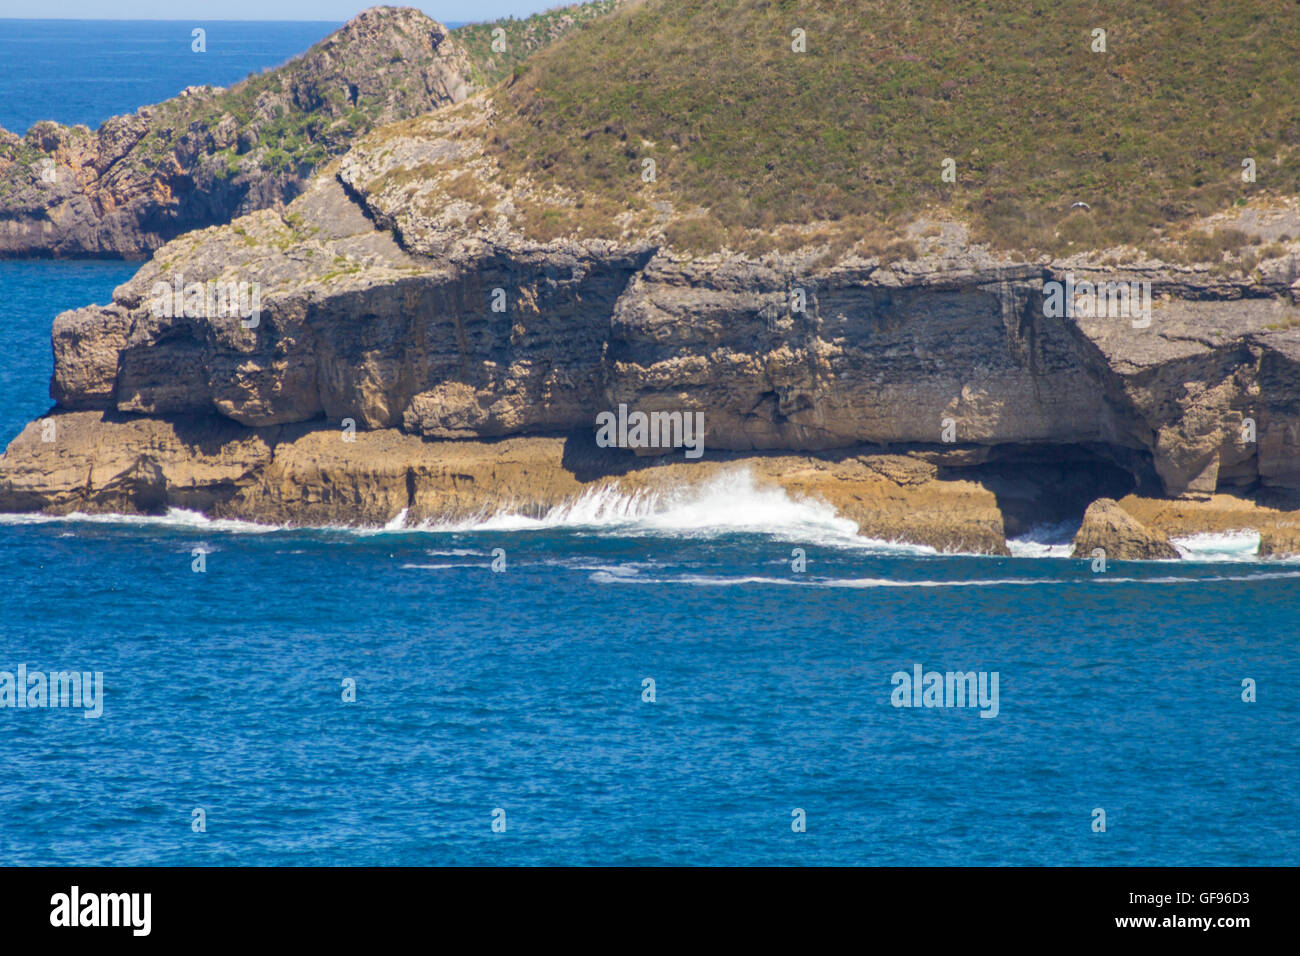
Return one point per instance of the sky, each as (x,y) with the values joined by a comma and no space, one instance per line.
(332,10)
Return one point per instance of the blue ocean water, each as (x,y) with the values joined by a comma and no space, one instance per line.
(34,293)
(522,690)
(84,71)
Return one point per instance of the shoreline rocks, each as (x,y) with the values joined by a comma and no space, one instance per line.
(1119,536)
(1282,541)
(311,474)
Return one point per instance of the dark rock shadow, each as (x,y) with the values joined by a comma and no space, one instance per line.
(1046,486)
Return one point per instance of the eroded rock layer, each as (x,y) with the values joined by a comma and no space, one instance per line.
(313,474)
(494,338)
(433,330)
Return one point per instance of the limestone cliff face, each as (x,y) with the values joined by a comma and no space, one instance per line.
(938,398)
(211,154)
(479,335)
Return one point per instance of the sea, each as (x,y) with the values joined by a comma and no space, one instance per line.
(719,676)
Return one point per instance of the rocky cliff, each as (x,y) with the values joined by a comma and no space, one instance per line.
(453,307)
(212,154)
(994,414)
(373,310)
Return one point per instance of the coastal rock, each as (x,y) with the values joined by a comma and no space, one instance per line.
(308,474)
(1109,527)
(1280,542)
(481,335)
(210,154)
(419,290)
(86,462)
(88,344)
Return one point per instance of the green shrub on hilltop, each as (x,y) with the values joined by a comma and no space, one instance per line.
(523,37)
(1150,132)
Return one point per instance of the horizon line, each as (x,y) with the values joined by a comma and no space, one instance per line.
(160,20)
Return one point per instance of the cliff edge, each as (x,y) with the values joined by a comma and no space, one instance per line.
(453,285)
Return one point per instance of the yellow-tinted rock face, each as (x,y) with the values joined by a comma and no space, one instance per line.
(314,476)
(1110,529)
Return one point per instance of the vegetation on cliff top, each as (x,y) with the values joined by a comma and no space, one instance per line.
(522,38)
(291,119)
(1150,132)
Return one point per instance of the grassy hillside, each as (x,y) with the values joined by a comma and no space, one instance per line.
(523,37)
(1149,133)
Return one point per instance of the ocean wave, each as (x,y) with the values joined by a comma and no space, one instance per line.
(731,503)
(175,518)
(704,580)
(1238,546)
(1045,541)
(618,570)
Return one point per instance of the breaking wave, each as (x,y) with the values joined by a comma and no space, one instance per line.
(1229,546)
(175,518)
(705,580)
(731,503)
(1045,541)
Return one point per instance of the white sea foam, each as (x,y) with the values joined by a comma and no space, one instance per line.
(1056,541)
(617,570)
(704,580)
(709,580)
(1229,546)
(730,503)
(1045,541)
(178,518)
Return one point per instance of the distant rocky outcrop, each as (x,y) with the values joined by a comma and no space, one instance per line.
(211,154)
(1119,536)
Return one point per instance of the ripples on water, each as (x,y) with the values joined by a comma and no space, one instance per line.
(522,690)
